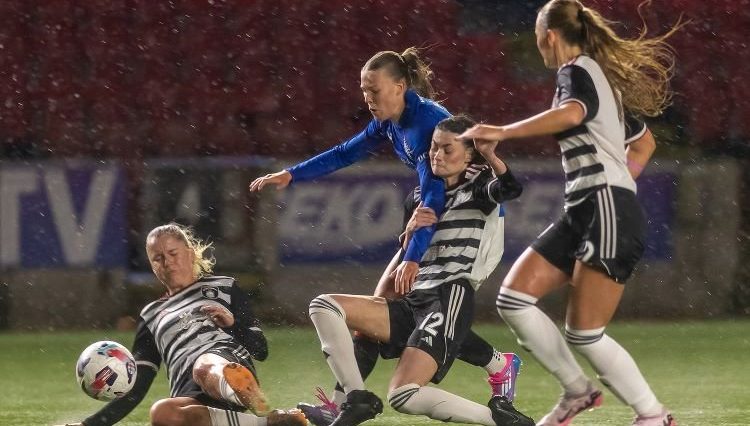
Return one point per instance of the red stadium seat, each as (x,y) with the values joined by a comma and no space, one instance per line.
(432,22)
(14,62)
(175,137)
(252,58)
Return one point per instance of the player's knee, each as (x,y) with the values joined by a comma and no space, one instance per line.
(166,413)
(400,398)
(510,302)
(581,339)
(326,304)
(201,370)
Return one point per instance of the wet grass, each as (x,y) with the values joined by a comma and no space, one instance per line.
(698,369)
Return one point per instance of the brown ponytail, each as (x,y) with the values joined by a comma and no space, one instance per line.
(638,69)
(407,66)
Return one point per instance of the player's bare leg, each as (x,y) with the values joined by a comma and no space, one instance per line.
(229,381)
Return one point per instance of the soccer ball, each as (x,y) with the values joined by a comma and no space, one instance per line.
(106,370)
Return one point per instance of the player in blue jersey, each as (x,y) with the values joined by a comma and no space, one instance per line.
(398,93)
(594,246)
(204,331)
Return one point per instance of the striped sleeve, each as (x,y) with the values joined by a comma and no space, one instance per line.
(144,350)
(246,329)
(496,189)
(574,84)
(634,128)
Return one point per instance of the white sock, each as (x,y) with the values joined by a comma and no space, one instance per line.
(233,418)
(439,405)
(538,334)
(336,341)
(227,392)
(496,364)
(616,369)
(338,397)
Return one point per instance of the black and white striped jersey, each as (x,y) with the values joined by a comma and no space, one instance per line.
(469,237)
(593,153)
(174,330)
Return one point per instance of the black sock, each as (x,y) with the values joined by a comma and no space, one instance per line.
(474,350)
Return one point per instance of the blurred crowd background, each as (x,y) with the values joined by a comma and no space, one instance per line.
(131,81)
(135,78)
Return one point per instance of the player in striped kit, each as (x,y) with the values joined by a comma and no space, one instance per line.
(204,331)
(602,81)
(431,321)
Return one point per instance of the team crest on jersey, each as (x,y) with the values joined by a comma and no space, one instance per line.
(185,319)
(210,292)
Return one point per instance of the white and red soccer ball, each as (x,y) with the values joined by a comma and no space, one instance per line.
(106,370)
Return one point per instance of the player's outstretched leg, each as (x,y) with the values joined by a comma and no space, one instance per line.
(570,405)
(360,406)
(244,384)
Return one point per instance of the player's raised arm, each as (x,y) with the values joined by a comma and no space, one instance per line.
(550,122)
(359,147)
(505,187)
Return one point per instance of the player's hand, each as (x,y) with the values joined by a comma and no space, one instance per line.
(281,179)
(485,132)
(486,147)
(422,216)
(406,273)
(219,315)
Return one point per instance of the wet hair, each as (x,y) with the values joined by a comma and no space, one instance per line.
(407,66)
(203,264)
(458,124)
(638,69)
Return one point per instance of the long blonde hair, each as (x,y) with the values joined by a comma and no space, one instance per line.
(203,262)
(638,69)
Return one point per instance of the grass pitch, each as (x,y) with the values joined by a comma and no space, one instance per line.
(698,369)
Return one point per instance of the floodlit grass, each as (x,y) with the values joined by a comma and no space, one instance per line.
(698,369)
